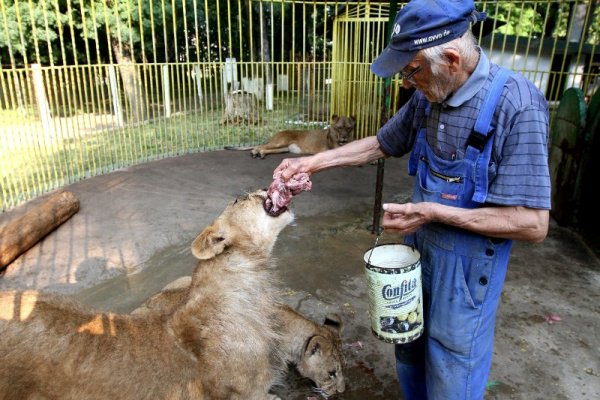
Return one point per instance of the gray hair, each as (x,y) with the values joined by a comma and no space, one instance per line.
(466,45)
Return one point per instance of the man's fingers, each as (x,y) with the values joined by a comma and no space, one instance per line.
(281,169)
(288,169)
(392,207)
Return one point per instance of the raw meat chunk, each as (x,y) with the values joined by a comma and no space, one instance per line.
(280,193)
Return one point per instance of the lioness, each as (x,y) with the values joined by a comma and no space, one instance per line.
(218,344)
(314,349)
(339,132)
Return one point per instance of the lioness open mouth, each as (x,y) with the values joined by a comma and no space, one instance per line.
(280,193)
(271,210)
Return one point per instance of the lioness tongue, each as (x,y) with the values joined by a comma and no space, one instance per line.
(280,192)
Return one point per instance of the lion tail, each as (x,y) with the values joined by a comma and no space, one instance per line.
(238,148)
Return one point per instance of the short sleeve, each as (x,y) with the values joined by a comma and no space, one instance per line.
(522,177)
(397,136)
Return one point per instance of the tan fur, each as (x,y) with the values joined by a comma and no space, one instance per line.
(314,349)
(339,132)
(220,343)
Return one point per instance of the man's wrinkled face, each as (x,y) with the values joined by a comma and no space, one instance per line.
(436,82)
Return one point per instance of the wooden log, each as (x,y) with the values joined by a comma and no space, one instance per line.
(22,228)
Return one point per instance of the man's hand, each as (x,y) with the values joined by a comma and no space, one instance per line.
(290,167)
(404,218)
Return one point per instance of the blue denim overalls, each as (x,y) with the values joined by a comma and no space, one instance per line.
(463,273)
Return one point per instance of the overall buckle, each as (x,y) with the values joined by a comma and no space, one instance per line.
(477,140)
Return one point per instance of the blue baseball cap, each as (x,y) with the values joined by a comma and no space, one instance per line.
(422,24)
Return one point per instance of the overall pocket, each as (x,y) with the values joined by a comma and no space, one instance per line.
(440,187)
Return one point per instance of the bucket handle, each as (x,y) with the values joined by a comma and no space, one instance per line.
(379,234)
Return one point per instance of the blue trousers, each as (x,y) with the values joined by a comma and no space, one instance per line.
(463,275)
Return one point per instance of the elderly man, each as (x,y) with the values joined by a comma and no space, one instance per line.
(477,135)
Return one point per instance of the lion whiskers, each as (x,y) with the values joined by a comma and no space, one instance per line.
(321,392)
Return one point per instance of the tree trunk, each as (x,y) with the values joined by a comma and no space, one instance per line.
(551,20)
(132,84)
(266,58)
(265,44)
(22,228)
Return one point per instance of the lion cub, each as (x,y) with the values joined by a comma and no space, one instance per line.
(315,350)
(218,344)
(339,132)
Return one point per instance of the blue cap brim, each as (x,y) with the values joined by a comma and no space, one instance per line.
(391,61)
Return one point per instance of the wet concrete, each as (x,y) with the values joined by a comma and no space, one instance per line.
(132,236)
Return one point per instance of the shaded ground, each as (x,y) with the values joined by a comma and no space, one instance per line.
(133,231)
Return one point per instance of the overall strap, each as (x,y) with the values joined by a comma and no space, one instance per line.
(482,125)
(479,147)
(420,141)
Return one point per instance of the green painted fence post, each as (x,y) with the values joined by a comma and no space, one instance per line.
(566,139)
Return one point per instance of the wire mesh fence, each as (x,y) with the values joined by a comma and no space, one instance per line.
(88,87)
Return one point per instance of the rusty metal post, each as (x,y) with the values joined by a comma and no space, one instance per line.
(375,226)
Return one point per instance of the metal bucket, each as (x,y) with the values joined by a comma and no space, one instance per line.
(393,273)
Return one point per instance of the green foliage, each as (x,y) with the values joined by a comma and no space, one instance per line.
(64,32)
(519,18)
(148,30)
(593,36)
(539,19)
(562,19)
(29,30)
(135,26)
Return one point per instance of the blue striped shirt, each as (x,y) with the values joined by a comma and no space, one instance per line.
(518,172)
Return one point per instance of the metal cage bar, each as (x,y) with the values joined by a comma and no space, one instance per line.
(88,87)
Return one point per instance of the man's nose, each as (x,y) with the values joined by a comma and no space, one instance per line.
(406,84)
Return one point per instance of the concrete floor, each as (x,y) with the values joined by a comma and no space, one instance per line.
(133,231)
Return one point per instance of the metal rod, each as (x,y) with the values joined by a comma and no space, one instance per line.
(375,228)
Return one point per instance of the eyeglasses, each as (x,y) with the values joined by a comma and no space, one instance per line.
(409,76)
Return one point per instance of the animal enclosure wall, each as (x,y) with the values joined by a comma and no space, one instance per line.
(90,87)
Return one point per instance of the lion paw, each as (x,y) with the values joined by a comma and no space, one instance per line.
(257,154)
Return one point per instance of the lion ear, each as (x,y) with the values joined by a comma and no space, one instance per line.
(313,346)
(210,243)
(334,322)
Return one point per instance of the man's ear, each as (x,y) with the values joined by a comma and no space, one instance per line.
(453,58)
(209,243)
